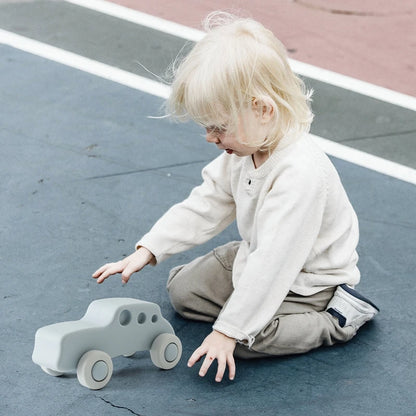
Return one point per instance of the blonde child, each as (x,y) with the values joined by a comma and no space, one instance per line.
(287,286)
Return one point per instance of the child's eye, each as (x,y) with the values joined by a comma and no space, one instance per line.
(216,129)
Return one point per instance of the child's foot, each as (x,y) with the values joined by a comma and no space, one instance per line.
(351,308)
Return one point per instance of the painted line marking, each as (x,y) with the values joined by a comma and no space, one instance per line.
(366,160)
(128,79)
(354,85)
(84,64)
(140,18)
(307,70)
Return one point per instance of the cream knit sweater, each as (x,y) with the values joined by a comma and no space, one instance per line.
(299,231)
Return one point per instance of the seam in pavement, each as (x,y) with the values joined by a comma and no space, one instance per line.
(131,172)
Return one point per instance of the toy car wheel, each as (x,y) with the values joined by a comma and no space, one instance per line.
(166,351)
(51,372)
(94,369)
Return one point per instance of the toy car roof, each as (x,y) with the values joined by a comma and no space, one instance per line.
(103,311)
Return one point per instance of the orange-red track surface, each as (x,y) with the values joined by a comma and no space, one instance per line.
(372,40)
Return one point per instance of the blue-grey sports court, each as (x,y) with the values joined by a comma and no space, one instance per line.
(87,165)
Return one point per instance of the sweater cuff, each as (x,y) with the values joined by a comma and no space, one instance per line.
(235,333)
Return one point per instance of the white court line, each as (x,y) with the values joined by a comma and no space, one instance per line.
(307,70)
(128,79)
(367,160)
(84,64)
(140,18)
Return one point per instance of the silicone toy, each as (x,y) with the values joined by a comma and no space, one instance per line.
(110,328)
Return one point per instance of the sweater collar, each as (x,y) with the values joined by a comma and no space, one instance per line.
(285,145)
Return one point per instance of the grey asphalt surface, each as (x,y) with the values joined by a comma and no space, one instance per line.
(366,124)
(85,173)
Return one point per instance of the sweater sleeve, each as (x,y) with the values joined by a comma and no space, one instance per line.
(208,210)
(286,227)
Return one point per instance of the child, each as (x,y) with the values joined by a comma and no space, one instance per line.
(286,287)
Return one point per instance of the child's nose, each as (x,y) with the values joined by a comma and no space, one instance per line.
(212,138)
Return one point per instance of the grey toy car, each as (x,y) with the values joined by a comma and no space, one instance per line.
(110,328)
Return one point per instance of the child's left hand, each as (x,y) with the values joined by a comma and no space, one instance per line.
(216,346)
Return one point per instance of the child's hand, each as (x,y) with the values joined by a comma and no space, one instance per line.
(131,264)
(216,346)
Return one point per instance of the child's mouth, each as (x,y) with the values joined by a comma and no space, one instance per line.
(229,151)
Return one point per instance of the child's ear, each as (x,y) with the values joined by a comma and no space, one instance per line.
(264,108)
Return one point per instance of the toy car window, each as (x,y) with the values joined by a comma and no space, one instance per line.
(125,317)
(141,319)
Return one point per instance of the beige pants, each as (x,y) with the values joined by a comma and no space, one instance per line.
(200,289)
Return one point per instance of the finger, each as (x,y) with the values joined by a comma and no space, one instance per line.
(196,356)
(128,271)
(103,277)
(125,277)
(206,364)
(103,269)
(109,271)
(231,367)
(220,369)
(98,272)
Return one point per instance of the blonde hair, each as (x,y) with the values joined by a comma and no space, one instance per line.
(238,60)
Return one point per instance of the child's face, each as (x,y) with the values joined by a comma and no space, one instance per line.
(237,141)
(228,141)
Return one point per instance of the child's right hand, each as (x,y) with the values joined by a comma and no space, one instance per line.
(131,264)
